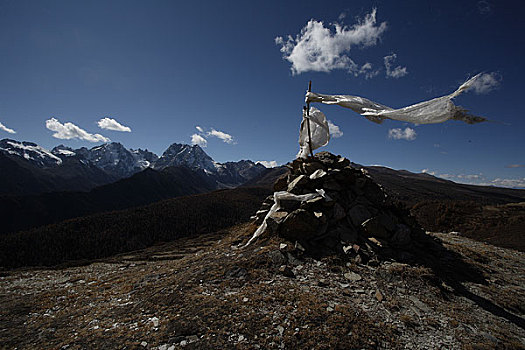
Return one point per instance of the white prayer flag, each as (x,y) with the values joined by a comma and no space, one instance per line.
(437,110)
(319,131)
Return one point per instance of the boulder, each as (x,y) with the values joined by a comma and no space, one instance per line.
(295,186)
(358,214)
(299,225)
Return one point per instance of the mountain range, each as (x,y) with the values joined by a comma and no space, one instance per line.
(29,169)
(40,187)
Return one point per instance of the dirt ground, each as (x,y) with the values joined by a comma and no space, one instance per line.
(209,292)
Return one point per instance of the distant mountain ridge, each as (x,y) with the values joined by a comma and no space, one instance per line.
(32,169)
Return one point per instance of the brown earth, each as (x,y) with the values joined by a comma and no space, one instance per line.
(208,292)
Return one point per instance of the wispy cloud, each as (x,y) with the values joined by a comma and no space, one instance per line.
(6,129)
(112,124)
(221,135)
(69,131)
(484,7)
(397,72)
(486,83)
(335,132)
(513,183)
(479,179)
(197,139)
(515,166)
(267,163)
(321,48)
(201,138)
(408,134)
(367,71)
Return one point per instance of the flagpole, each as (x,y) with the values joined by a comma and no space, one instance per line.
(308,121)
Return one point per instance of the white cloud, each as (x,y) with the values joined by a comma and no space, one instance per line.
(69,131)
(202,137)
(470,176)
(6,129)
(479,179)
(513,183)
(367,71)
(397,72)
(221,135)
(320,49)
(408,134)
(335,132)
(197,139)
(267,163)
(428,171)
(112,124)
(486,83)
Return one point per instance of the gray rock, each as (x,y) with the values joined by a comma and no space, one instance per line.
(296,185)
(387,221)
(313,202)
(320,216)
(401,235)
(338,212)
(286,272)
(358,214)
(352,276)
(300,225)
(312,167)
(281,184)
(348,234)
(332,185)
(275,220)
(342,163)
(277,258)
(292,260)
(323,283)
(319,173)
(374,228)
(289,204)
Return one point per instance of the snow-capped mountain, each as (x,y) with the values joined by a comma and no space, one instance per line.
(192,157)
(144,158)
(227,174)
(112,157)
(236,173)
(63,151)
(65,168)
(31,152)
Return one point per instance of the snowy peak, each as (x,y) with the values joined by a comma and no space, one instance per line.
(63,151)
(115,159)
(30,152)
(193,157)
(144,158)
(112,157)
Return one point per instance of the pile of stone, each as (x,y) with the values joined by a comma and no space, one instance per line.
(352,217)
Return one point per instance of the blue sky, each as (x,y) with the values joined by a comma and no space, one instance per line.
(162,68)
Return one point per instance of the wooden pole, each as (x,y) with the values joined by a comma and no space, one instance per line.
(308,121)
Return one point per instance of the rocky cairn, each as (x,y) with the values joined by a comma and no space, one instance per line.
(354,217)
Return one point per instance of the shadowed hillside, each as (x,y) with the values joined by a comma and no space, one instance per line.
(24,212)
(105,234)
